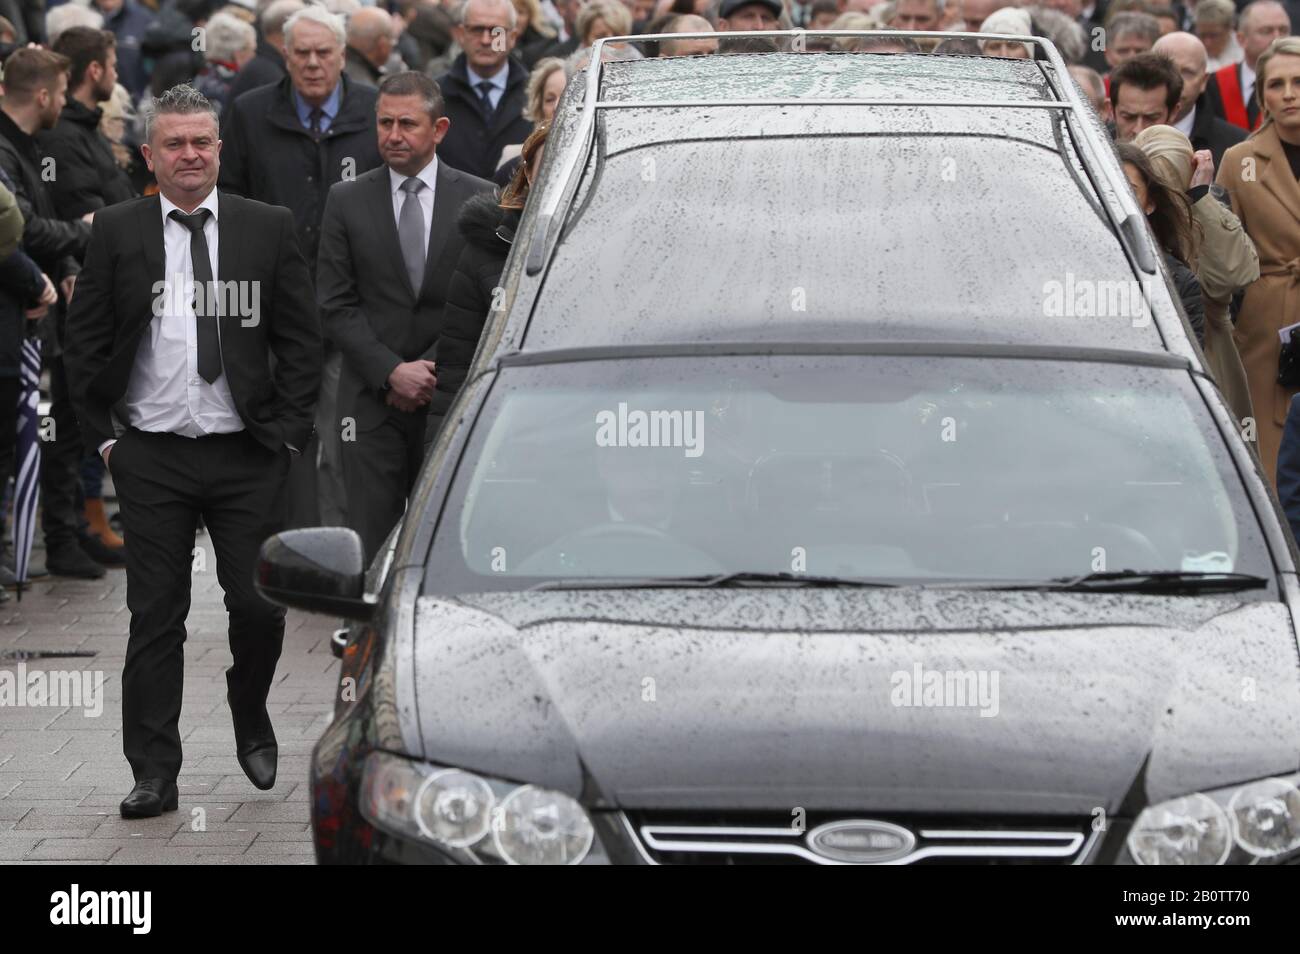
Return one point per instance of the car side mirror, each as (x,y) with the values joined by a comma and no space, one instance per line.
(318,569)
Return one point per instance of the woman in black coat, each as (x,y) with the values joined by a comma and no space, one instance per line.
(488,225)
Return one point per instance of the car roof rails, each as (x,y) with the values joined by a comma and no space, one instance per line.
(1121,206)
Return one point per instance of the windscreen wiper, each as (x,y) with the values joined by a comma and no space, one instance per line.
(1147,581)
(719,580)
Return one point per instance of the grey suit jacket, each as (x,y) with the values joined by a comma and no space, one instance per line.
(367,306)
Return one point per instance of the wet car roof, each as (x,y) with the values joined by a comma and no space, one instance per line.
(708,223)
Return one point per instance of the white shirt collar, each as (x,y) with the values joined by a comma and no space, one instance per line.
(1247,80)
(428,175)
(1185,124)
(209,203)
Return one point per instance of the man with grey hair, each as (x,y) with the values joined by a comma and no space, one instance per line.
(370,43)
(485,90)
(267,64)
(195,351)
(1128,35)
(71,15)
(1215,23)
(1094,89)
(230,44)
(286,144)
(1231,89)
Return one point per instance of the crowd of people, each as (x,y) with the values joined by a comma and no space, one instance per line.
(1203,103)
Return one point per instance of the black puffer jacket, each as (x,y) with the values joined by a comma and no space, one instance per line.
(489,232)
(1189,292)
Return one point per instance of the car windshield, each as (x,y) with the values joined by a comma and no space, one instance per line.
(909,470)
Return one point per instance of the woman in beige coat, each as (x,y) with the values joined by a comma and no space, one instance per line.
(1265,194)
(1226,260)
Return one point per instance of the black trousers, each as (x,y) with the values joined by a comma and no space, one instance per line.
(164,483)
(380,468)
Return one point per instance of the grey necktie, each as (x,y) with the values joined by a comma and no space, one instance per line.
(411,232)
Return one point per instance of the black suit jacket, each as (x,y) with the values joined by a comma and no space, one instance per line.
(273,366)
(1212,133)
(367,305)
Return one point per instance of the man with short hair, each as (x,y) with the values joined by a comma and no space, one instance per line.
(1128,35)
(382,301)
(36,81)
(485,89)
(1094,89)
(1215,23)
(286,144)
(1144,92)
(267,64)
(917,15)
(975,12)
(128,22)
(1195,117)
(196,404)
(370,43)
(688,23)
(1231,89)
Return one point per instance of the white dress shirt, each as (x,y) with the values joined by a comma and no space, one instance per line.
(429,176)
(1185,124)
(166,393)
(1247,83)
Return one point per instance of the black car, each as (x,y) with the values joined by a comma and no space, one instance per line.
(775,525)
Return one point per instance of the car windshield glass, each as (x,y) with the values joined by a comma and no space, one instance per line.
(907,470)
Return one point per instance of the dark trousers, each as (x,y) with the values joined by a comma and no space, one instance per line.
(164,483)
(380,468)
(60,465)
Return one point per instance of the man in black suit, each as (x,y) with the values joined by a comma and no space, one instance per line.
(389,245)
(194,416)
(485,89)
(1195,117)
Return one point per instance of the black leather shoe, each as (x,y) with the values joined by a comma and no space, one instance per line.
(150,797)
(71,560)
(101,552)
(255,747)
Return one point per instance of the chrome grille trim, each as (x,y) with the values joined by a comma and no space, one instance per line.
(784,841)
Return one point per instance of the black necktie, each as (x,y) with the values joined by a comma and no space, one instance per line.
(206,317)
(315,117)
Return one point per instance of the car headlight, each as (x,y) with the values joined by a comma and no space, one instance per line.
(1255,823)
(475,819)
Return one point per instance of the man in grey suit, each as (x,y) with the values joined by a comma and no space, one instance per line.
(388,248)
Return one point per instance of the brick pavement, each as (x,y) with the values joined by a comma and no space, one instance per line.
(62,772)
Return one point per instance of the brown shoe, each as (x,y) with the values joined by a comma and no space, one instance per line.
(98,521)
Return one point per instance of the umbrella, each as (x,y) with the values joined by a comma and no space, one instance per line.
(29,460)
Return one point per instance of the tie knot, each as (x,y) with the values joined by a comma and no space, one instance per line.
(412,185)
(485,87)
(194,221)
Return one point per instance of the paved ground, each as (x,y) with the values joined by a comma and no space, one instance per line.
(62,772)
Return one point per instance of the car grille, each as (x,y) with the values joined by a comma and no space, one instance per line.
(674,838)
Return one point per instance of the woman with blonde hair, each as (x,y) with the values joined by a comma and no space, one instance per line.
(533,25)
(602,18)
(1226,260)
(545,87)
(1261,175)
